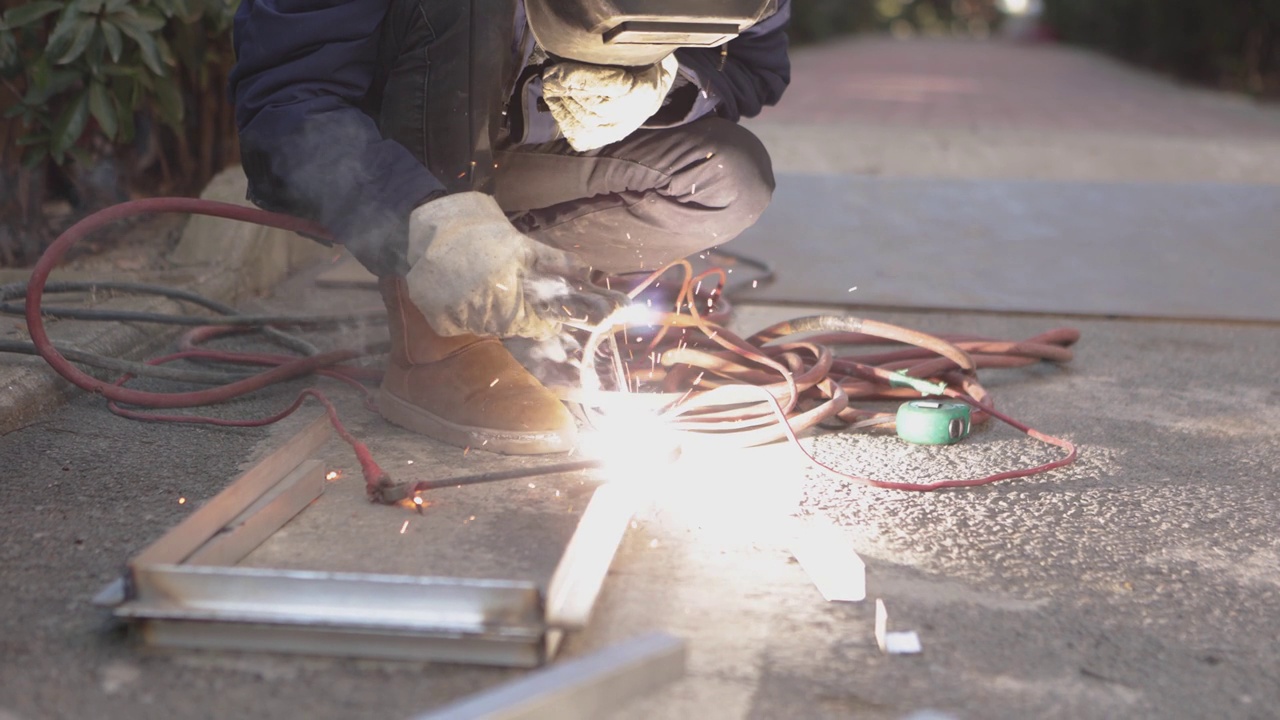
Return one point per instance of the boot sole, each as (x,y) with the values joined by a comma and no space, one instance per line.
(507,442)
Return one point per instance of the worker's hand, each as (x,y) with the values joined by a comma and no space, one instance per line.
(470,271)
(595,105)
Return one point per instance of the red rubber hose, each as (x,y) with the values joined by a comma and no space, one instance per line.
(285,367)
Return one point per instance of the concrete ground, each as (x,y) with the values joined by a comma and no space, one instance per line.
(1143,581)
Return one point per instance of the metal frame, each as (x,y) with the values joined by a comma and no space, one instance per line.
(184,591)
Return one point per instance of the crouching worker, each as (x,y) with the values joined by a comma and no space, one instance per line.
(482,156)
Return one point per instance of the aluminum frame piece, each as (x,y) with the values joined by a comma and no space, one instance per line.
(184,591)
(585,688)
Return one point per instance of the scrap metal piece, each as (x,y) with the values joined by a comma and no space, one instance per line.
(580,574)
(586,688)
(905,642)
(187,536)
(825,553)
(263,518)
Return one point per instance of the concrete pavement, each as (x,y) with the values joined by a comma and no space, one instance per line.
(1144,581)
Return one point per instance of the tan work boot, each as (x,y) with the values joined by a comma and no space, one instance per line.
(465,390)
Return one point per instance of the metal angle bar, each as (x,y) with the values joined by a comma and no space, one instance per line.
(187,536)
(580,574)
(327,599)
(586,688)
(522,651)
(262,519)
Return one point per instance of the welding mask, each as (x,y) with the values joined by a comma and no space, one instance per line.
(638,32)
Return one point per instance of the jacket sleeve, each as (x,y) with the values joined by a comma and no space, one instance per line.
(303,68)
(753,70)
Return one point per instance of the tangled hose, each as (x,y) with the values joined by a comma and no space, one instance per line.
(723,391)
(711,386)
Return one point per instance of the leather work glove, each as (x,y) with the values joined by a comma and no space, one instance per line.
(595,105)
(471,272)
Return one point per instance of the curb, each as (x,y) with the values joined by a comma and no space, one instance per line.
(221,259)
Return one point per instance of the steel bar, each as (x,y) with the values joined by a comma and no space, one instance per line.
(507,650)
(586,688)
(298,597)
(576,582)
(187,536)
(510,474)
(262,519)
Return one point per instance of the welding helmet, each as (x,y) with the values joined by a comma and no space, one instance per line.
(638,32)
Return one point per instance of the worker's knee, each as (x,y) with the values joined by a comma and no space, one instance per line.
(736,176)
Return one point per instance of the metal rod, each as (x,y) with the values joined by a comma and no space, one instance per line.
(588,687)
(511,474)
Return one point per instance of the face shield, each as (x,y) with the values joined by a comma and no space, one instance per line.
(638,32)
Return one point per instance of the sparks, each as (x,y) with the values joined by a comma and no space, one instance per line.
(332,475)
(404,527)
(410,462)
(532,486)
(182,501)
(755,283)
(501,286)
(495,382)
(467,449)
(855,287)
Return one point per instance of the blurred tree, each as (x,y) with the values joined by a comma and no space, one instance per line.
(100,99)
(1228,44)
(814,20)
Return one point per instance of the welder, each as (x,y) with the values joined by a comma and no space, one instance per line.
(486,159)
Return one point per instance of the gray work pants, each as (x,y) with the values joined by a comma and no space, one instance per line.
(656,196)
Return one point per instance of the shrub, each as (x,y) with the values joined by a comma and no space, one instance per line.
(100,93)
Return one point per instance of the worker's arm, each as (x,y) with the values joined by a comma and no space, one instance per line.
(303,67)
(752,71)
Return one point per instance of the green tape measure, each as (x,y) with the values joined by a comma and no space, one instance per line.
(933,422)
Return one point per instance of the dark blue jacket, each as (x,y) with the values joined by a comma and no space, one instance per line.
(305,66)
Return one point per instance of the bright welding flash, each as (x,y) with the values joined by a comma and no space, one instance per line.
(633,445)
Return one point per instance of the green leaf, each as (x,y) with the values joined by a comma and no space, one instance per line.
(150,21)
(147,44)
(29,140)
(117,5)
(169,97)
(29,13)
(132,71)
(64,31)
(115,41)
(47,84)
(14,111)
(8,48)
(86,7)
(126,126)
(166,54)
(103,110)
(34,156)
(69,126)
(84,33)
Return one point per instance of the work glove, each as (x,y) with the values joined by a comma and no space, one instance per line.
(595,105)
(471,272)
